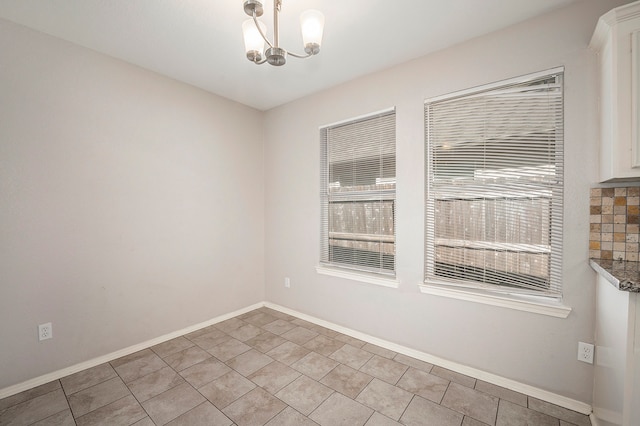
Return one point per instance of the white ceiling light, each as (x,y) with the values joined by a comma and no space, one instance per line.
(311,24)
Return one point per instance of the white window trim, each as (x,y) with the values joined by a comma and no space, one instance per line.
(380,280)
(544,305)
(534,304)
(344,271)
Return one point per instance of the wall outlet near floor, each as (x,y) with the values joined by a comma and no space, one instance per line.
(585,352)
(287,282)
(45,331)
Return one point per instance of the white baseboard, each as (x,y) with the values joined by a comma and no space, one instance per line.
(41,380)
(535,392)
(541,394)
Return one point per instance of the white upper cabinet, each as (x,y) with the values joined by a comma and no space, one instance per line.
(617,41)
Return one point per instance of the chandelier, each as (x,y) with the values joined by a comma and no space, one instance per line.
(311,24)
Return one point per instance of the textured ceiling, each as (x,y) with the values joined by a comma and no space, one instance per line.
(200,41)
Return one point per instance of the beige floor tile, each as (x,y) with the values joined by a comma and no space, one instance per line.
(304,394)
(155,383)
(249,362)
(131,357)
(30,394)
(187,357)
(146,362)
(350,340)
(471,402)
(323,345)
(279,326)
(386,369)
(299,335)
(469,421)
(63,418)
(338,410)
(202,331)
(412,362)
(314,365)
(204,414)
(229,349)
(383,352)
(171,346)
(172,403)
(87,378)
(290,417)
(255,408)
(385,398)
(510,414)
(229,325)
(351,356)
(204,372)
(288,352)
(346,380)
(260,319)
(226,389)
(124,411)
(422,412)
(265,342)
(559,412)
(502,393)
(144,422)
(378,419)
(208,340)
(249,314)
(303,323)
(277,314)
(452,376)
(325,331)
(35,409)
(97,396)
(424,384)
(246,332)
(274,376)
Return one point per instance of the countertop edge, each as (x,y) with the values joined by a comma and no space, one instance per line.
(619,282)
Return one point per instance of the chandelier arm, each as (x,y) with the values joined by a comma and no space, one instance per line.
(264,37)
(295,55)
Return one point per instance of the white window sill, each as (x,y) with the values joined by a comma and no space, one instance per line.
(532,304)
(359,276)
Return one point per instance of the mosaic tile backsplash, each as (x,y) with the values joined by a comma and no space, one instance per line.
(614,223)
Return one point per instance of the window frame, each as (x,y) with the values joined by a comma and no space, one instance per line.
(372,275)
(522,299)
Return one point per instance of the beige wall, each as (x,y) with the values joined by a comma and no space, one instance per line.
(530,348)
(131,205)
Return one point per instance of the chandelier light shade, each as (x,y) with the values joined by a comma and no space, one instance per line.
(253,41)
(312,26)
(254,31)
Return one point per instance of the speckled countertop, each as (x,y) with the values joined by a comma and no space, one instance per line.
(623,274)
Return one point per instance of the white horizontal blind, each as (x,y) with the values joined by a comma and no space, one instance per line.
(494,200)
(357,194)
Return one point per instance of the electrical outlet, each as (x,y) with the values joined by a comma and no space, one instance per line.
(287,282)
(585,352)
(45,331)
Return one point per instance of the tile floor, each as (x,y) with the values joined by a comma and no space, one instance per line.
(268,368)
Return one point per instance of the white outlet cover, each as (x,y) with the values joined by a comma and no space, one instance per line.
(585,352)
(45,331)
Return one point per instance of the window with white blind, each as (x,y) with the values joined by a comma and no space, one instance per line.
(494,186)
(357,194)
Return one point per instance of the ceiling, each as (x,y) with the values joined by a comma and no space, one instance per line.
(200,42)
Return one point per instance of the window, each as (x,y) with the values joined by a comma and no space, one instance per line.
(357,194)
(494,187)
